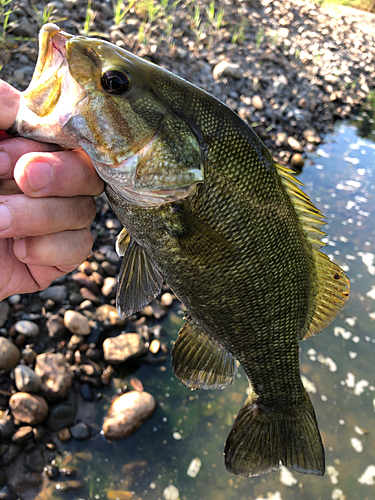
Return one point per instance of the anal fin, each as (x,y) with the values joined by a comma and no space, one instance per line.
(138,281)
(201,362)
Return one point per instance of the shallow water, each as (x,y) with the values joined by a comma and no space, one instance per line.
(338,363)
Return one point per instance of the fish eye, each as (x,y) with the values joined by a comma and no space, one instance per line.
(115,82)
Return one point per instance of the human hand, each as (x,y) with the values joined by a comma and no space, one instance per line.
(46,204)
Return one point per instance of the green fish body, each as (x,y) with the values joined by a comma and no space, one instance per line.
(207,210)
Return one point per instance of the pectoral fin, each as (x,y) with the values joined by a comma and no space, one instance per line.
(200,362)
(196,237)
(139,281)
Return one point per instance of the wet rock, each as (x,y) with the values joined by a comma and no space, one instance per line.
(61,415)
(108,313)
(225,68)
(155,346)
(57,293)
(37,459)
(29,355)
(257,102)
(167,299)
(51,471)
(194,467)
(80,431)
(9,354)
(86,281)
(171,493)
(27,328)
(6,493)
(72,485)
(127,413)
(109,287)
(77,323)
(23,434)
(4,312)
(26,485)
(26,379)
(119,495)
(56,375)
(28,408)
(10,454)
(64,434)
(119,349)
(294,144)
(55,327)
(87,392)
(6,426)
(297,161)
(75,341)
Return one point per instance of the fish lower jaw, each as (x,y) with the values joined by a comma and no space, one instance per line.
(148,199)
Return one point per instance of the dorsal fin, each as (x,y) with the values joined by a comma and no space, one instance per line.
(201,362)
(333,285)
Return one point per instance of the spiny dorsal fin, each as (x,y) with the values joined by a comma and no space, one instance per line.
(333,285)
(139,281)
(200,362)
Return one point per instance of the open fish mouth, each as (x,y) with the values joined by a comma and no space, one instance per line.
(44,90)
(52,52)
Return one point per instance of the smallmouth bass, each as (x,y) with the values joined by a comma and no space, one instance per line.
(207,210)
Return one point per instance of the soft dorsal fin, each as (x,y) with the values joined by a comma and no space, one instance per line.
(200,362)
(333,285)
(138,281)
(333,292)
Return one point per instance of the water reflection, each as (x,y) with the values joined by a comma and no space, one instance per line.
(338,369)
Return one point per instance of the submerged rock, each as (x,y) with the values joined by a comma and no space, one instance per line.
(127,413)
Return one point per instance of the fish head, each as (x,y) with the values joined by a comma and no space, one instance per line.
(88,93)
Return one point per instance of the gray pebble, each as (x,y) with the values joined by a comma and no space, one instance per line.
(27,328)
(60,416)
(26,379)
(4,312)
(80,431)
(57,293)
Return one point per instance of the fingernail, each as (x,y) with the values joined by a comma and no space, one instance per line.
(5,217)
(4,163)
(39,175)
(19,248)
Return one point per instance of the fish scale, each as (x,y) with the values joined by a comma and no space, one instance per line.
(207,210)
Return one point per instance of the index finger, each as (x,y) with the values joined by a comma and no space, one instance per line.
(9,103)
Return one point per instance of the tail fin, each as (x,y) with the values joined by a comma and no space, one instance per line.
(260,439)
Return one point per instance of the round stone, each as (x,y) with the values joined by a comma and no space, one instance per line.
(27,328)
(28,408)
(127,413)
(9,354)
(26,379)
(77,323)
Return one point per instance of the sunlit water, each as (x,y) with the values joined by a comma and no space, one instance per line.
(339,366)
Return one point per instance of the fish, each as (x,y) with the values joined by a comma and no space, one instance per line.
(207,210)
